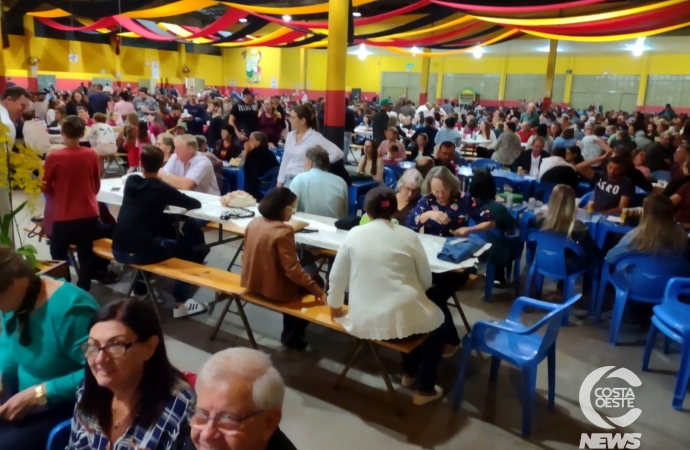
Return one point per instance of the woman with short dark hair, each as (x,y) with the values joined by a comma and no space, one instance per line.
(131,392)
(269,263)
(386,271)
(44,321)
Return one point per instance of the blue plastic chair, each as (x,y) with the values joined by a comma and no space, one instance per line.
(524,347)
(397,170)
(545,190)
(485,163)
(269,180)
(513,267)
(240,179)
(549,261)
(641,277)
(58,438)
(586,199)
(604,227)
(460,161)
(389,178)
(672,318)
(661,175)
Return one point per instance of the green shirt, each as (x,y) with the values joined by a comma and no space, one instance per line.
(533,119)
(500,251)
(54,357)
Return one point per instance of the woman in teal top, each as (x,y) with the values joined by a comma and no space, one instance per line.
(483,189)
(44,323)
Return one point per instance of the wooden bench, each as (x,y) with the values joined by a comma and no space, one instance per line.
(113,158)
(317,313)
(225,284)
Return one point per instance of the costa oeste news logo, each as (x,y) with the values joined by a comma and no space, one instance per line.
(610,398)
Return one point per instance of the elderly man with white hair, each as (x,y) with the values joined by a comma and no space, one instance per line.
(239,403)
(188,169)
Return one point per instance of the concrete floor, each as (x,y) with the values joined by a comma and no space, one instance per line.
(359,415)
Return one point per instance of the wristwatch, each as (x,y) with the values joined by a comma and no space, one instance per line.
(40,395)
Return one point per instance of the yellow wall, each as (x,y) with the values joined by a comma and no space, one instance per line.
(284,65)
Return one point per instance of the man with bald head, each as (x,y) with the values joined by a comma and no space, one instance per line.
(530,115)
(239,403)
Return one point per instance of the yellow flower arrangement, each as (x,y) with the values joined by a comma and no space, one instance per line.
(26,164)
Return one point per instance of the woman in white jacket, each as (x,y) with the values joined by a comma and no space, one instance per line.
(386,271)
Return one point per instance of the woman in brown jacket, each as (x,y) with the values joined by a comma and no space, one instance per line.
(270,266)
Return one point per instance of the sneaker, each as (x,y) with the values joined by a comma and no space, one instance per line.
(407,381)
(190,308)
(106,278)
(420,399)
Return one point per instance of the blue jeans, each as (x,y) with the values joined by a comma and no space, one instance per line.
(161,250)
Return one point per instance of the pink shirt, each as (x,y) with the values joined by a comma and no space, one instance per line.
(383,148)
(123,108)
(645,171)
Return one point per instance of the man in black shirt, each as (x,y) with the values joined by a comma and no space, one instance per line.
(380,121)
(144,234)
(196,116)
(660,154)
(98,101)
(244,117)
(612,191)
(430,130)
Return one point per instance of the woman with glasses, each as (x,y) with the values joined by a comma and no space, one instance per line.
(131,397)
(409,191)
(270,266)
(44,321)
(444,210)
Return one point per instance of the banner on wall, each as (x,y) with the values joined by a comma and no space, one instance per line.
(155,70)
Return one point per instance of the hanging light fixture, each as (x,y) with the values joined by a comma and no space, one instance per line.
(415,51)
(477,52)
(287,18)
(362,52)
(638,47)
(357,14)
(243,20)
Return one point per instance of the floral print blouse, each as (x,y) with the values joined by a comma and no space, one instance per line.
(459,210)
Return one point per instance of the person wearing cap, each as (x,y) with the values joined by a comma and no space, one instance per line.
(380,121)
(244,117)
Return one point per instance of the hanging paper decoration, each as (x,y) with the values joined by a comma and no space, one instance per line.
(437,24)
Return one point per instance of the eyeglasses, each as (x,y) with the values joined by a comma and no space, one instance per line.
(223,422)
(114,349)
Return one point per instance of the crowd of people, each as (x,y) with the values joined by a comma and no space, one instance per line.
(111,360)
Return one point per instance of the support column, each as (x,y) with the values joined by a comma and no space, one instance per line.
(3,70)
(550,74)
(502,82)
(644,76)
(302,70)
(426,65)
(182,53)
(334,119)
(439,79)
(568,82)
(32,71)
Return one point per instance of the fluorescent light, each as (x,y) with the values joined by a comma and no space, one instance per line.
(357,14)
(477,52)
(638,47)
(243,20)
(362,52)
(415,51)
(287,18)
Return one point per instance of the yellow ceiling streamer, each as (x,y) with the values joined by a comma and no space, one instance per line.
(617,37)
(453,52)
(296,10)
(582,19)
(261,40)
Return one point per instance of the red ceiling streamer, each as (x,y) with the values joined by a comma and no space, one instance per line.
(358,22)
(106,22)
(518,9)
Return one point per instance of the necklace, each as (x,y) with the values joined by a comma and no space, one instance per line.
(117,423)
